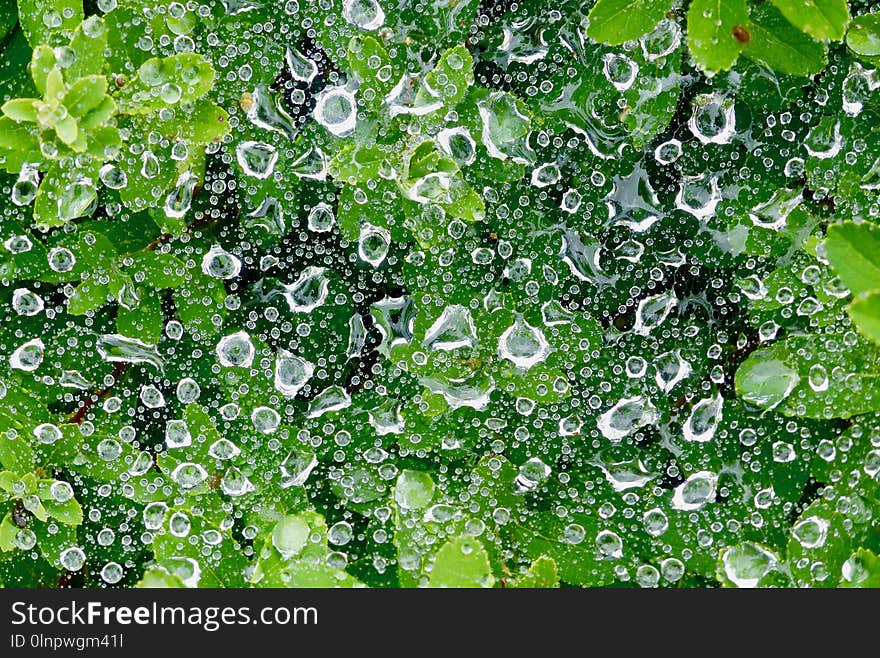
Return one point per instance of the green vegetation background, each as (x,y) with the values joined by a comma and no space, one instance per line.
(442,293)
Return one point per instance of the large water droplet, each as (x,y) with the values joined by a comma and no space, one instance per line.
(336,110)
(523,345)
(256,159)
(626,417)
(236,350)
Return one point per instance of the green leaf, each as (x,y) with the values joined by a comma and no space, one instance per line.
(144,322)
(821,19)
(617,21)
(42,61)
(312,575)
(16,454)
(541,574)
(461,562)
(196,300)
(8,17)
(35,18)
(854,253)
(711,26)
(197,125)
(865,314)
(85,95)
(156,269)
(820,536)
(68,512)
(67,131)
(776,43)
(18,145)
(157,577)
(166,82)
(372,65)
(449,80)
(21,109)
(99,115)
(863,36)
(814,376)
(8,532)
(862,569)
(88,296)
(88,44)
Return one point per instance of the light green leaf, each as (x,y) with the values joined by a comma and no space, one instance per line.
(35,17)
(8,533)
(863,36)
(99,115)
(778,44)
(617,21)
(69,512)
(711,25)
(17,145)
(821,19)
(42,61)
(865,314)
(862,569)
(166,82)
(372,65)
(854,252)
(85,95)
(449,80)
(21,109)
(794,377)
(461,562)
(88,44)
(16,454)
(542,573)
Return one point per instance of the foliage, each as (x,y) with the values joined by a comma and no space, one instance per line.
(444,294)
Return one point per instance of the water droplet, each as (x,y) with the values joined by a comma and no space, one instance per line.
(61,259)
(290,536)
(414,490)
(365,14)
(177,434)
(189,475)
(703,421)
(73,558)
(619,70)
(309,291)
(321,218)
(713,120)
(28,356)
(26,302)
(220,264)
(811,532)
(609,545)
(454,329)
(301,67)
(336,110)
(373,244)
(116,347)
(695,492)
(236,350)
(179,200)
(523,345)
(531,474)
(291,373)
(626,417)
(256,159)
(296,468)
